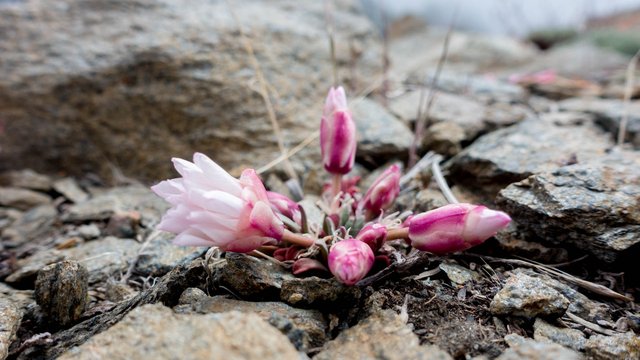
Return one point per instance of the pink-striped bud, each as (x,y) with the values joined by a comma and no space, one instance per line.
(285,206)
(337,134)
(373,235)
(350,260)
(382,192)
(455,227)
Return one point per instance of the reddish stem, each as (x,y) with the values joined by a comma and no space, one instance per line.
(398,233)
(297,239)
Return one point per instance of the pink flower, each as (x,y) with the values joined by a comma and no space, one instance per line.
(337,134)
(212,208)
(350,260)
(382,192)
(285,206)
(373,235)
(455,227)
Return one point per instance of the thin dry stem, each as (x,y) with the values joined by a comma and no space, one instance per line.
(423,116)
(264,93)
(588,285)
(440,180)
(328,11)
(628,89)
(397,233)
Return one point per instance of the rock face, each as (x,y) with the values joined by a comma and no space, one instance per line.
(61,291)
(307,328)
(384,335)
(527,349)
(10,317)
(91,86)
(155,332)
(620,346)
(379,132)
(534,145)
(526,296)
(591,205)
(608,113)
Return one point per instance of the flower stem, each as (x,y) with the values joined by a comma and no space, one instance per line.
(336,184)
(297,239)
(398,233)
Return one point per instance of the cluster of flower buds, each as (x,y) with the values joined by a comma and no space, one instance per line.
(212,208)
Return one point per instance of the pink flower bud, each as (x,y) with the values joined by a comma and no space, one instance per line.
(382,192)
(455,227)
(373,235)
(285,206)
(337,134)
(350,260)
(211,208)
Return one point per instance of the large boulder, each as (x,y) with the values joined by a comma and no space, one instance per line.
(122,86)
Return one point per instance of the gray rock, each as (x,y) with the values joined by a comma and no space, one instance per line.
(318,293)
(154,331)
(159,255)
(445,138)
(591,205)
(32,225)
(26,179)
(70,189)
(84,98)
(526,296)
(22,199)
(472,116)
(527,349)
(10,318)
(119,200)
(459,274)
(250,277)
(104,258)
(505,156)
(380,134)
(308,327)
(62,291)
(608,113)
(8,216)
(21,298)
(568,337)
(27,268)
(581,59)
(384,335)
(191,296)
(579,304)
(621,346)
(88,231)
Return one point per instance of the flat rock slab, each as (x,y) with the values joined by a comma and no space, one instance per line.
(156,332)
(568,337)
(303,326)
(132,84)
(119,200)
(620,346)
(104,258)
(472,116)
(527,349)
(384,335)
(535,145)
(609,113)
(10,318)
(592,205)
(22,199)
(526,296)
(379,133)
